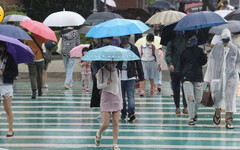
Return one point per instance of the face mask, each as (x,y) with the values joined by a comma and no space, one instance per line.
(125,40)
(112,66)
(193,42)
(148,43)
(226,40)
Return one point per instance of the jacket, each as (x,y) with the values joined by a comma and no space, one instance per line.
(192,60)
(10,71)
(133,66)
(69,41)
(174,51)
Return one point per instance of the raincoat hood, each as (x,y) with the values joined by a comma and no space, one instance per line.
(226,34)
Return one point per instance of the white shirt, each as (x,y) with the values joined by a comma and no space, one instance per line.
(147,54)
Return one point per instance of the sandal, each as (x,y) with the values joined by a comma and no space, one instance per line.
(97,140)
(191,122)
(229,126)
(217,118)
(195,118)
(115,147)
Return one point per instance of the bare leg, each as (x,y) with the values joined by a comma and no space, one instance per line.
(44,78)
(152,83)
(7,102)
(115,122)
(106,121)
(143,84)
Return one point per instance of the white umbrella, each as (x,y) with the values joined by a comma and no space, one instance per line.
(64,19)
(110,3)
(15,18)
(223,13)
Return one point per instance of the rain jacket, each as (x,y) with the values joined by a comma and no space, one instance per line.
(222,73)
(69,41)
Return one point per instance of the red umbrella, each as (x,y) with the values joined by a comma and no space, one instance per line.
(39,29)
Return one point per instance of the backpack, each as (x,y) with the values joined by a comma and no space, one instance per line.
(153,52)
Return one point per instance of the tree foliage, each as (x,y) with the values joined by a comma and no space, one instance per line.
(40,9)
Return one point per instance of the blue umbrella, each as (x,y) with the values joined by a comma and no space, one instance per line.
(14,32)
(110,53)
(20,52)
(117,27)
(199,20)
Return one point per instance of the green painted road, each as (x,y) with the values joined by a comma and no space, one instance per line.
(62,120)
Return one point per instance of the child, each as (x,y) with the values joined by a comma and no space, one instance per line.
(109,81)
(86,71)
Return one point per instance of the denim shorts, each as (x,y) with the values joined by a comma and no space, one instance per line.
(6,91)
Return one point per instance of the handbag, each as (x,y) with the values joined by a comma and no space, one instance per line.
(59,46)
(207,98)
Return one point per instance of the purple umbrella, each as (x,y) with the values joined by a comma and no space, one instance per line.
(20,52)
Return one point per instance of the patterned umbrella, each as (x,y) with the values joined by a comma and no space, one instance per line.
(165,17)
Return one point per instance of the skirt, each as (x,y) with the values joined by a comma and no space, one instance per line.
(6,90)
(110,102)
(150,70)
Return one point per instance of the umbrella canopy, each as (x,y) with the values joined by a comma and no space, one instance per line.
(117,27)
(199,20)
(110,3)
(161,5)
(233,26)
(165,17)
(134,13)
(14,32)
(233,15)
(77,51)
(187,1)
(84,29)
(39,29)
(100,17)
(64,19)
(15,18)
(143,40)
(110,53)
(223,13)
(20,52)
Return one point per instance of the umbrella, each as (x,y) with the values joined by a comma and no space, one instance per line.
(39,29)
(84,29)
(134,13)
(143,40)
(187,1)
(20,52)
(117,27)
(14,32)
(100,17)
(167,33)
(165,17)
(223,13)
(110,3)
(233,26)
(233,15)
(15,18)
(199,20)
(77,51)
(64,19)
(161,5)
(110,53)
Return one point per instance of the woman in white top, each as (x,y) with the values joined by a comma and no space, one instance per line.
(109,81)
(151,64)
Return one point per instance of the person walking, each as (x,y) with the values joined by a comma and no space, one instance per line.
(8,72)
(192,60)
(222,76)
(36,68)
(159,82)
(129,72)
(151,64)
(70,39)
(172,58)
(109,81)
(85,71)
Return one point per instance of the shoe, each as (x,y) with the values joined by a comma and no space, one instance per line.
(39,92)
(216,119)
(229,126)
(34,94)
(159,88)
(178,111)
(185,110)
(45,86)
(131,118)
(142,93)
(191,122)
(123,116)
(87,90)
(152,92)
(83,87)
(195,118)
(115,147)
(97,140)
(10,135)
(66,87)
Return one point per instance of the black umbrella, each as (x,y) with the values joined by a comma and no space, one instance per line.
(100,17)
(161,5)
(84,29)
(233,15)
(133,13)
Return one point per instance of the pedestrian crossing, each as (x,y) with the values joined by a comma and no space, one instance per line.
(62,120)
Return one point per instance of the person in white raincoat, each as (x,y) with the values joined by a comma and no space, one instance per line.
(222,74)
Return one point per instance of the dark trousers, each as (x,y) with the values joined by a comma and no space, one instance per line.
(35,74)
(176,86)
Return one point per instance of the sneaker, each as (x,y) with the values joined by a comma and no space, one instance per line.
(142,93)
(131,118)
(123,116)
(83,87)
(159,88)
(115,147)
(87,90)
(178,111)
(97,140)
(45,86)
(185,110)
